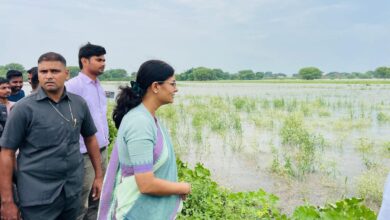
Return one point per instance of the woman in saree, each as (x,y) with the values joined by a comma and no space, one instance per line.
(141,180)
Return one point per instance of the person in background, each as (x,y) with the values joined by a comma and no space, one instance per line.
(33,78)
(87,85)
(5,92)
(5,107)
(141,180)
(3,119)
(15,79)
(384,212)
(5,104)
(45,127)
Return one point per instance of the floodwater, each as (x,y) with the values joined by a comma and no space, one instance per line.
(248,168)
(341,165)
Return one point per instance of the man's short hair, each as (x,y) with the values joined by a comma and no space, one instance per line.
(33,69)
(52,56)
(89,50)
(3,80)
(13,73)
(34,76)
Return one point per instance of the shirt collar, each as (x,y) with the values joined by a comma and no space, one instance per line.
(86,79)
(41,94)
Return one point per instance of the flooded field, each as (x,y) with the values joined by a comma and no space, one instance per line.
(311,143)
(305,143)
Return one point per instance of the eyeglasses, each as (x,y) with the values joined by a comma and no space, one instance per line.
(170,83)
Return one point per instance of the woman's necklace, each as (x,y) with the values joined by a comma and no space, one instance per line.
(74,120)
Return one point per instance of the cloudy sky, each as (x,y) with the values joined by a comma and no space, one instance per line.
(262,35)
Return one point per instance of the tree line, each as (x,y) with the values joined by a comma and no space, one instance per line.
(308,73)
(109,75)
(204,74)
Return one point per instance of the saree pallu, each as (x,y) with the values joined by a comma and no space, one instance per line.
(121,198)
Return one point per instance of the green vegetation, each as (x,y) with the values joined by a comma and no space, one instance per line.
(291,139)
(11,66)
(382,72)
(345,209)
(383,117)
(109,75)
(210,201)
(208,74)
(301,147)
(307,73)
(310,73)
(370,184)
(193,120)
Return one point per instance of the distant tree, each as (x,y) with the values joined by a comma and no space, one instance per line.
(133,76)
(280,75)
(310,73)
(14,66)
(3,71)
(369,74)
(182,76)
(220,75)
(382,72)
(259,75)
(235,76)
(246,75)
(295,75)
(73,71)
(333,75)
(203,73)
(11,66)
(114,74)
(268,75)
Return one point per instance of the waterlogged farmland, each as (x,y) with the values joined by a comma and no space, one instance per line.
(305,143)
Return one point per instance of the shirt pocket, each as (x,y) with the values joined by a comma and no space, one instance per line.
(44,135)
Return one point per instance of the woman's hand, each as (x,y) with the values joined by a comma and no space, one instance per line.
(184,196)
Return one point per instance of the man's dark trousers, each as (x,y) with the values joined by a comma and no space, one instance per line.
(61,209)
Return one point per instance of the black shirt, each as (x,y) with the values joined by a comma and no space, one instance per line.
(47,136)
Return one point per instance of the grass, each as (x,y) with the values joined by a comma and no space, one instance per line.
(365,146)
(383,117)
(301,146)
(370,184)
(386,149)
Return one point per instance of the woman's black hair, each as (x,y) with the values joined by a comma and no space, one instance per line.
(129,97)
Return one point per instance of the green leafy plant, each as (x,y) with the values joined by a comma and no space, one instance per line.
(210,201)
(345,209)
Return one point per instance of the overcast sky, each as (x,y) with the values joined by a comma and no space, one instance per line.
(262,35)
